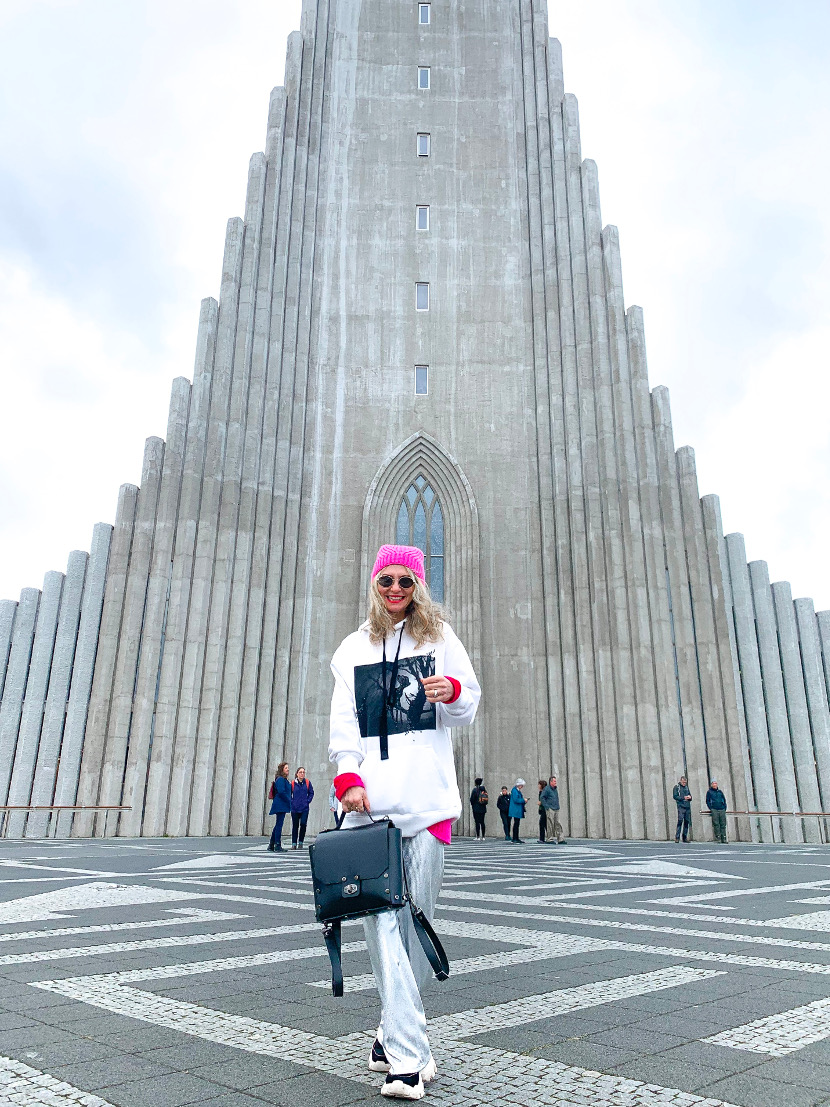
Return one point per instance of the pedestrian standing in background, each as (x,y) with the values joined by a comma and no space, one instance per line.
(716,802)
(683,798)
(302,793)
(478,801)
(503,804)
(280,794)
(550,802)
(517,808)
(543,819)
(333,801)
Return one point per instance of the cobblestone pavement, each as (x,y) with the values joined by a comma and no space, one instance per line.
(155,973)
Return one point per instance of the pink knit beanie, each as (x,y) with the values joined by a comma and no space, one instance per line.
(408,556)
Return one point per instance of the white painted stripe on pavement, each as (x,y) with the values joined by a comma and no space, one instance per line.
(187,915)
(517,1012)
(460,1065)
(21,1084)
(779,1035)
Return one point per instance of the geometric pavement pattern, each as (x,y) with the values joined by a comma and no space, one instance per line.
(158,973)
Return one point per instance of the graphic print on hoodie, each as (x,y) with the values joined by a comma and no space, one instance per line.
(409,708)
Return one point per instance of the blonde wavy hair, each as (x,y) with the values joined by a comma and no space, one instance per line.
(423,616)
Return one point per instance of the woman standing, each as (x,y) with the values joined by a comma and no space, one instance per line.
(517,808)
(302,793)
(280,805)
(401,681)
(478,801)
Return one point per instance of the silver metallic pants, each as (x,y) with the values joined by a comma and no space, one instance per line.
(399,964)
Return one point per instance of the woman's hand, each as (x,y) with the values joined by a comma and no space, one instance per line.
(438,689)
(355,799)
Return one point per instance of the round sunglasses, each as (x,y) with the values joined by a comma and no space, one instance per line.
(404,582)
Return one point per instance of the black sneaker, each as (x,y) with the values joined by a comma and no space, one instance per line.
(406,1086)
(377,1058)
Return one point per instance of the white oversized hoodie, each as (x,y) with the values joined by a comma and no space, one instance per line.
(416,787)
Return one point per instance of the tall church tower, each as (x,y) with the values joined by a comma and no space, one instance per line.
(421,337)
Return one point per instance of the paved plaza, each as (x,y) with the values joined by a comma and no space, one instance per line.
(154,973)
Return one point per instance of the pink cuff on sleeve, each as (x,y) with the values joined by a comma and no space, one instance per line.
(442,831)
(346,781)
(456,687)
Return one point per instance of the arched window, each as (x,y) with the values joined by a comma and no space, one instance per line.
(421,524)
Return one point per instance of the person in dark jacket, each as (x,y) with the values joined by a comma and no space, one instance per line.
(302,793)
(683,798)
(503,804)
(517,808)
(716,802)
(280,805)
(478,801)
(549,799)
(543,819)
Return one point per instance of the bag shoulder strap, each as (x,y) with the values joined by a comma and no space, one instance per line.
(332,937)
(430,943)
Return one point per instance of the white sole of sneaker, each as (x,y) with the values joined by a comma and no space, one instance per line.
(398,1090)
(429,1072)
(379,1066)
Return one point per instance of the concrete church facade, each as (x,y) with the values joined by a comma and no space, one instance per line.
(421,336)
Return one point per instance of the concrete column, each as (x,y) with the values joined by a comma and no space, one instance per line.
(83,667)
(823,625)
(223,715)
(269,731)
(129,639)
(43,783)
(715,753)
(817,705)
(636,583)
(8,609)
(677,585)
(712,520)
(594,606)
(193,562)
(671,749)
(746,641)
(155,609)
(171,645)
(556,76)
(624,688)
(774,700)
(101,695)
(17,675)
(31,716)
(736,747)
(545,679)
(802,739)
(581,728)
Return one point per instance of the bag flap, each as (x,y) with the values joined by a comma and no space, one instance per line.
(364,852)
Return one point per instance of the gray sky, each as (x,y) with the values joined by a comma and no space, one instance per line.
(125,133)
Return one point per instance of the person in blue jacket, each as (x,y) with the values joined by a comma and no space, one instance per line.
(280,805)
(516,811)
(302,793)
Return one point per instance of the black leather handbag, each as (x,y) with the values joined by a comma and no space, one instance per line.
(360,872)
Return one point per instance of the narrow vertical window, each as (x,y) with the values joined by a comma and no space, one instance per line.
(421,380)
(423,146)
(422,217)
(421,523)
(424,14)
(423,76)
(421,297)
